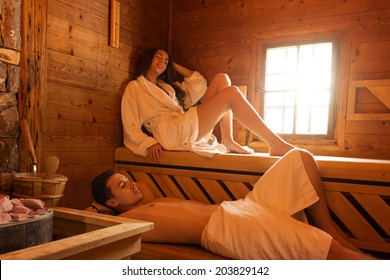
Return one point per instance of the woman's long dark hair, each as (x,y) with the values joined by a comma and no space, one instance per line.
(144,64)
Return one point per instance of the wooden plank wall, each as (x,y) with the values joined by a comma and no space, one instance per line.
(217,36)
(85,81)
(72,80)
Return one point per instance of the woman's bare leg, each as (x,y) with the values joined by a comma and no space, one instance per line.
(218,83)
(213,109)
(319,212)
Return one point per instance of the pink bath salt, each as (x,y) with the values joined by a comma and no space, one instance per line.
(5,218)
(5,204)
(18,216)
(17,201)
(17,209)
(33,203)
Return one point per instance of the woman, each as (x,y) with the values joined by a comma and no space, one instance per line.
(167,110)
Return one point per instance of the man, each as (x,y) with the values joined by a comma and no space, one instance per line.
(269,223)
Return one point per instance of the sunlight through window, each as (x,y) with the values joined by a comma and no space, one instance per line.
(298,88)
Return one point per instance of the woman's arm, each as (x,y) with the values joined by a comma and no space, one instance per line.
(194,85)
(133,136)
(183,70)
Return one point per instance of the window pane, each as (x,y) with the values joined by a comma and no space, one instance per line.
(315,66)
(303,120)
(281,64)
(319,121)
(312,111)
(274,119)
(313,97)
(279,110)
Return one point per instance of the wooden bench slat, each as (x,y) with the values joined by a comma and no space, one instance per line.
(239,189)
(373,246)
(351,218)
(356,169)
(357,188)
(214,190)
(377,208)
(191,189)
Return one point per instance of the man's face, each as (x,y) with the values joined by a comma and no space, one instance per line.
(125,191)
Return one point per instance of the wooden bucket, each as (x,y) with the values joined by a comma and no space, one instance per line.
(50,191)
(5,183)
(20,234)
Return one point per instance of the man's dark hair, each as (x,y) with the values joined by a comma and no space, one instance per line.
(100,192)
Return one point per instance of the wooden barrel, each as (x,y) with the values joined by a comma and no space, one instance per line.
(50,191)
(20,234)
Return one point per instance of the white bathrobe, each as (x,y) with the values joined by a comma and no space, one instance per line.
(144,103)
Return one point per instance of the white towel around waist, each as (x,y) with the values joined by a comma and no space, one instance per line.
(261,226)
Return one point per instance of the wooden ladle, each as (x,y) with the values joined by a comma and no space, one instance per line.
(51,165)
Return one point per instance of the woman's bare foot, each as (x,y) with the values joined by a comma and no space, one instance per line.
(233,147)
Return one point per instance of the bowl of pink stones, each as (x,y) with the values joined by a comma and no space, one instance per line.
(24,222)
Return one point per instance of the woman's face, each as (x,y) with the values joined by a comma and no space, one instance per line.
(125,192)
(160,62)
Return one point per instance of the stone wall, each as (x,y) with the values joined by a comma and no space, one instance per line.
(10,47)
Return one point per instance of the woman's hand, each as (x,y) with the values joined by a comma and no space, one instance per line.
(155,152)
(182,70)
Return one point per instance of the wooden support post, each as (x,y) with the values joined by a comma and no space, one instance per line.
(32,95)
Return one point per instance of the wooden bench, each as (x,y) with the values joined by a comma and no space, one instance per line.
(357,191)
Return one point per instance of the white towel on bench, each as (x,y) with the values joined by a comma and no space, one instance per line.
(261,226)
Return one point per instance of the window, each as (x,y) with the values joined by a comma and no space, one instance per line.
(298,89)
(299,83)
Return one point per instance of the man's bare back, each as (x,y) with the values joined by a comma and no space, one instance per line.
(175,220)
